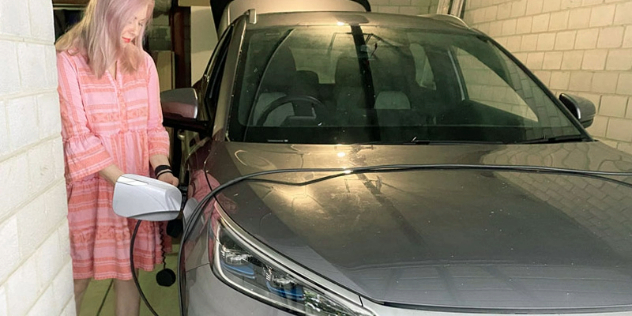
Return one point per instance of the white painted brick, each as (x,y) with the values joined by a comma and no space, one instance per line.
(540,23)
(572,60)
(41,167)
(4,131)
(587,39)
(559,21)
(624,85)
(39,219)
(560,80)
(45,305)
(513,43)
(565,40)
(566,4)
(602,15)
(23,288)
(69,310)
(534,61)
(611,37)
(14,18)
(496,28)
(620,59)
(12,193)
(627,38)
(509,27)
(546,41)
(522,57)
(63,287)
(399,2)
(490,13)
(628,112)
(49,117)
(32,63)
(613,106)
(595,59)
(529,43)
(579,18)
(534,6)
(51,66)
(552,60)
(544,76)
(551,5)
(388,9)
(49,262)
(620,129)
(3,301)
(524,25)
(10,78)
(623,13)
(41,14)
(11,258)
(518,8)
(591,2)
(504,11)
(58,157)
(410,10)
(22,117)
(376,3)
(604,82)
(599,126)
(580,81)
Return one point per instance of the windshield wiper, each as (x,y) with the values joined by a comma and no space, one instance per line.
(416,141)
(556,139)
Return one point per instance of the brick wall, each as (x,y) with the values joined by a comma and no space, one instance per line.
(578,46)
(411,7)
(35,273)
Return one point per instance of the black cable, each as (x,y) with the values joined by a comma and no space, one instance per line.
(131,262)
(104,298)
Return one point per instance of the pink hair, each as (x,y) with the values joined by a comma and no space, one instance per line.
(98,35)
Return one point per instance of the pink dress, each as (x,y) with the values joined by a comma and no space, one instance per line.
(108,121)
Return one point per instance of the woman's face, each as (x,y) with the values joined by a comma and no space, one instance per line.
(134,26)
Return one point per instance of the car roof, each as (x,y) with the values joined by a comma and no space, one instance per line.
(430,22)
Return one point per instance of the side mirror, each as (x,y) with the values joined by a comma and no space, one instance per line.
(581,108)
(145,198)
(180,110)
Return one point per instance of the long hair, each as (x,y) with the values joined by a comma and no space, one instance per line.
(98,35)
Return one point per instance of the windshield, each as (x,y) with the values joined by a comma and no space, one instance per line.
(364,84)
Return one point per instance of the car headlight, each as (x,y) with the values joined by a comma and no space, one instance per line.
(272,283)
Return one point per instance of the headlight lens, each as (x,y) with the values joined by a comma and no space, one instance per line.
(272,283)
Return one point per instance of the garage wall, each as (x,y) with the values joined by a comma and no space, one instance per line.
(578,46)
(35,266)
(411,7)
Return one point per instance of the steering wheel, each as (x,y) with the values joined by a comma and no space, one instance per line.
(319,107)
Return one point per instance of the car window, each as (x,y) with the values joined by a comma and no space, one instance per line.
(366,84)
(487,87)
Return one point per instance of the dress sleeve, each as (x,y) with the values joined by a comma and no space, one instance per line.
(83,150)
(157,135)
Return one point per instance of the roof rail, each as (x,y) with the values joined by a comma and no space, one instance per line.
(447,18)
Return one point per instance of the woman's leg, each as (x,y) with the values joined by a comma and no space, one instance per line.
(80,288)
(127,298)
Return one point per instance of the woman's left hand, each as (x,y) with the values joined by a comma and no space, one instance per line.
(169,178)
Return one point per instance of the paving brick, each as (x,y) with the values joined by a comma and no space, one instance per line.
(595,59)
(620,59)
(611,37)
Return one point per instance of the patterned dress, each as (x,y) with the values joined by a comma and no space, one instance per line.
(108,121)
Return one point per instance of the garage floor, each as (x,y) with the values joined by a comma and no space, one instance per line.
(99,298)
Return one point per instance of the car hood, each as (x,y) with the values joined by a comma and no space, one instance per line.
(444,238)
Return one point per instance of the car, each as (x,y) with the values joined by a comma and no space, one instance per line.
(357,163)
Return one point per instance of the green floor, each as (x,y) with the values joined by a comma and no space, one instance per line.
(99,298)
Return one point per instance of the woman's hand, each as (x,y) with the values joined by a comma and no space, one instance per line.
(169,178)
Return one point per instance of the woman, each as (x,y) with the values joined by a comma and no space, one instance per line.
(111,125)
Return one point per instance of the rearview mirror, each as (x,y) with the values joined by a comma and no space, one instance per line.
(145,198)
(180,110)
(581,108)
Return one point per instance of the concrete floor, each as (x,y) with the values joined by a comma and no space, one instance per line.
(99,298)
